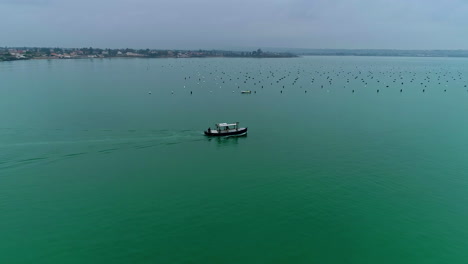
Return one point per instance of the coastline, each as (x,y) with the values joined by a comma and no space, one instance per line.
(25,53)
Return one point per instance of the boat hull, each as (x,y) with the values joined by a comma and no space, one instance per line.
(237,132)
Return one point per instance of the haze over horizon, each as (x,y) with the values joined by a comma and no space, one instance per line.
(211,24)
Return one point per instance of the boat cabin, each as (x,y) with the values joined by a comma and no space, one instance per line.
(227,127)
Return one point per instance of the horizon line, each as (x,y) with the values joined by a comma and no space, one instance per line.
(236,49)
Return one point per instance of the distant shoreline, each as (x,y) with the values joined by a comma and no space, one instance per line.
(83,58)
(13,54)
(33,53)
(385,53)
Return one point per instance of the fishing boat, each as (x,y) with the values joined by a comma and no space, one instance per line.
(246,92)
(225,129)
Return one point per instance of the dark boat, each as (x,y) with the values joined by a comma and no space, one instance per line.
(225,129)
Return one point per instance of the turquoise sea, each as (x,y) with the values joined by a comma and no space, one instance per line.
(355,160)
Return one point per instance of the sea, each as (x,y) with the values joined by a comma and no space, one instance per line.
(347,160)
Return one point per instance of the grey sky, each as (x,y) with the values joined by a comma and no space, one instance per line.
(398,24)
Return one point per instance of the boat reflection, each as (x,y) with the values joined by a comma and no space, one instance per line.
(228,140)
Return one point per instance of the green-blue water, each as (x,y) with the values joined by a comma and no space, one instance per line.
(95,169)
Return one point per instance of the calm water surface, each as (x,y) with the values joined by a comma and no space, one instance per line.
(95,169)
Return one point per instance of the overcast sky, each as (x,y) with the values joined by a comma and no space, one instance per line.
(193,24)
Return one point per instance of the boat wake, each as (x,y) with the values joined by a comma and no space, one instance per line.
(27,152)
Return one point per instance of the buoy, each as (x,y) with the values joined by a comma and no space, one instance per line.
(149,92)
